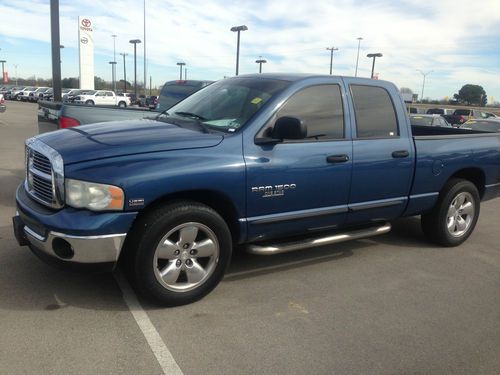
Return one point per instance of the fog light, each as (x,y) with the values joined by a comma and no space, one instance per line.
(62,248)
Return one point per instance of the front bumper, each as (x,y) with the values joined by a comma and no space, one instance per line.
(69,235)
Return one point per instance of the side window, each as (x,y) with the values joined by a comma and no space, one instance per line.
(375,114)
(320,107)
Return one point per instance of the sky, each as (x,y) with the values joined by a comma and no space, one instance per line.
(458,41)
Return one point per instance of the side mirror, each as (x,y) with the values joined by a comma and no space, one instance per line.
(289,128)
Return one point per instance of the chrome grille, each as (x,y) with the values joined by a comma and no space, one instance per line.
(44,180)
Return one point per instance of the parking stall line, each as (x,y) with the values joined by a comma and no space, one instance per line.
(155,342)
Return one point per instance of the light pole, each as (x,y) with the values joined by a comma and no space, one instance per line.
(331,49)
(357,57)
(238,29)
(113,66)
(260,61)
(3,70)
(134,42)
(181,64)
(373,56)
(124,72)
(423,82)
(145,48)
(15,69)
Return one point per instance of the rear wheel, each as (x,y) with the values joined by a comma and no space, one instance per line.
(89,102)
(122,104)
(455,215)
(180,253)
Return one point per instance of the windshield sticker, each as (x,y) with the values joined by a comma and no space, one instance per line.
(256,100)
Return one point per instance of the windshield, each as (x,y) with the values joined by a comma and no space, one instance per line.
(420,120)
(88,92)
(227,104)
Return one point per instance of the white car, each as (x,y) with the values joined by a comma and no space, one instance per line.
(100,97)
(2,104)
(25,93)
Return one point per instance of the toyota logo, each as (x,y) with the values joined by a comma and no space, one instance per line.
(86,22)
(84,40)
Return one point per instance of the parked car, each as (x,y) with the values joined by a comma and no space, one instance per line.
(35,95)
(47,95)
(429,120)
(25,93)
(460,116)
(173,92)
(70,95)
(486,125)
(14,92)
(124,97)
(101,97)
(271,163)
(3,108)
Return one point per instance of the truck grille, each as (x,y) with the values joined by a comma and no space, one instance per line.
(40,174)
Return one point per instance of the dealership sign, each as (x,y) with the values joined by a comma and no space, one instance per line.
(86,52)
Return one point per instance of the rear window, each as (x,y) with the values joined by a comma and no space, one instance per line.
(420,120)
(435,111)
(375,113)
(462,112)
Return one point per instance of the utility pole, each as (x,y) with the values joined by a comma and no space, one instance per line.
(134,42)
(124,72)
(423,82)
(331,49)
(113,72)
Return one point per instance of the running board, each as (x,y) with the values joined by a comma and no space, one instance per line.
(286,247)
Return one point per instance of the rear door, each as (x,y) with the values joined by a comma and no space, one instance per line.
(300,186)
(383,153)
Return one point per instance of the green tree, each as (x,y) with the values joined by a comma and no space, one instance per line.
(472,95)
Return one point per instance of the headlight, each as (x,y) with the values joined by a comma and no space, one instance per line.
(96,197)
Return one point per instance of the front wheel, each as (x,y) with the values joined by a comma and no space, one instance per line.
(181,252)
(455,215)
(89,102)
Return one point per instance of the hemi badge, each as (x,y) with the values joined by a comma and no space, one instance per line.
(136,202)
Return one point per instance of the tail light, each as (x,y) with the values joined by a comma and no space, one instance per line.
(67,122)
(462,119)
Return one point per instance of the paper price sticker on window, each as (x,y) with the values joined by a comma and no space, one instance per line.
(256,100)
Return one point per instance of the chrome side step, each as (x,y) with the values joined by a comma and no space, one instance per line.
(286,247)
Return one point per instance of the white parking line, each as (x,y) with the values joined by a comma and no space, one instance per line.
(160,350)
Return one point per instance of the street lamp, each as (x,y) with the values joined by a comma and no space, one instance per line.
(124,72)
(113,66)
(423,82)
(181,64)
(134,42)
(260,61)
(374,56)
(238,29)
(331,49)
(357,57)
(15,67)
(3,70)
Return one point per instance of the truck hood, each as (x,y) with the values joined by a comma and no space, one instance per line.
(112,139)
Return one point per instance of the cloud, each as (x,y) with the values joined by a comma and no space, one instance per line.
(457,42)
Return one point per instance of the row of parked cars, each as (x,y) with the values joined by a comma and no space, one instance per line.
(464,118)
(78,96)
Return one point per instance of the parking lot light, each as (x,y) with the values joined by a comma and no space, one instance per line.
(373,56)
(238,29)
(135,42)
(357,57)
(124,72)
(180,64)
(331,49)
(260,61)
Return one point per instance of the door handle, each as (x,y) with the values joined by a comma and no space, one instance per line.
(337,158)
(400,154)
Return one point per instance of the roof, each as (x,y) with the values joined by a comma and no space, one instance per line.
(291,77)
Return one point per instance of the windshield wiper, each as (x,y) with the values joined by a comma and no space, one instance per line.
(190,114)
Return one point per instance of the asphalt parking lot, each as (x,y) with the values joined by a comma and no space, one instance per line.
(389,305)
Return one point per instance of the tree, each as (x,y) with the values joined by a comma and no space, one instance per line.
(472,95)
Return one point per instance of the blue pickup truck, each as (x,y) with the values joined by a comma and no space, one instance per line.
(271,163)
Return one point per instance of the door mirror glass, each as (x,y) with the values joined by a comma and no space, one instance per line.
(289,128)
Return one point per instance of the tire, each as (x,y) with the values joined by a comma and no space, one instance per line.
(89,102)
(455,214)
(122,104)
(18,98)
(196,251)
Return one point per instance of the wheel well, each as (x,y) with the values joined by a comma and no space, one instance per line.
(474,175)
(217,201)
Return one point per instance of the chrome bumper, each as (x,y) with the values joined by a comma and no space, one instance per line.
(79,249)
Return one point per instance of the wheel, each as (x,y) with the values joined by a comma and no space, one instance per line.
(89,102)
(179,253)
(122,104)
(455,215)
(18,98)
